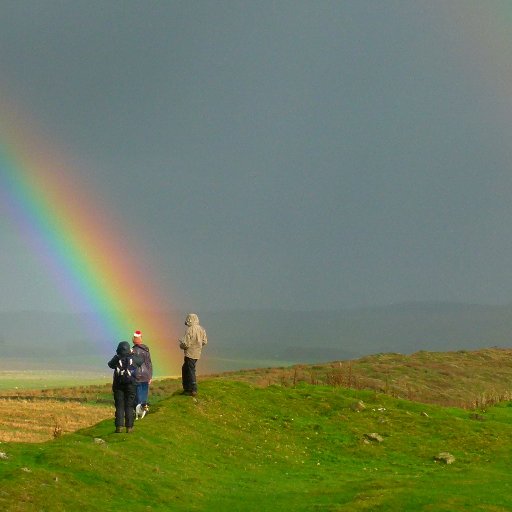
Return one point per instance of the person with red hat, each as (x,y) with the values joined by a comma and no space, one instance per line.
(144,373)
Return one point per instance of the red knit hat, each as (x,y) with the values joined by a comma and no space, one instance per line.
(137,334)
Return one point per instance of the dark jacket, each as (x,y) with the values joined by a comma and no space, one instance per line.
(123,350)
(145,372)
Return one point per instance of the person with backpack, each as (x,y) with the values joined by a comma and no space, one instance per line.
(144,373)
(192,344)
(125,364)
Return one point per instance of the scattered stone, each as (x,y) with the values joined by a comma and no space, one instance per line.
(445,457)
(27,470)
(358,406)
(4,455)
(98,440)
(374,437)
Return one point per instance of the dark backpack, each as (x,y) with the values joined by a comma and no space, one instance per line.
(124,372)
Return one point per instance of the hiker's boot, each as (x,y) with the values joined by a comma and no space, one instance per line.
(118,430)
(129,430)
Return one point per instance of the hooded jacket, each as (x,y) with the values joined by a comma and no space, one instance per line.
(123,350)
(194,339)
(145,372)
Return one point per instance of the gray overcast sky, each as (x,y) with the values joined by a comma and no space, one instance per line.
(279,154)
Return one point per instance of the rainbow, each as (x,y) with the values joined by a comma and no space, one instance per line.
(82,249)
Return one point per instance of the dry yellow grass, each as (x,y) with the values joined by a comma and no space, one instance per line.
(468,379)
(28,421)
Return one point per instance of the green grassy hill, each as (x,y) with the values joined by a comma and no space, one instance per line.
(464,378)
(299,444)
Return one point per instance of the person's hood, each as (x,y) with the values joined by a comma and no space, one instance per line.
(192,319)
(123,349)
(141,346)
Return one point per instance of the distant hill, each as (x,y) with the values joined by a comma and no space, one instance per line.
(238,338)
(305,336)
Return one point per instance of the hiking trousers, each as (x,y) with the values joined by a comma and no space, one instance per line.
(124,400)
(188,374)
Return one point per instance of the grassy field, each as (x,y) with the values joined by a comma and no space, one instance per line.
(47,379)
(465,379)
(278,439)
(29,421)
(31,415)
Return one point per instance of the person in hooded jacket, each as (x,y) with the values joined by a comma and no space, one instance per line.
(124,392)
(192,344)
(144,374)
